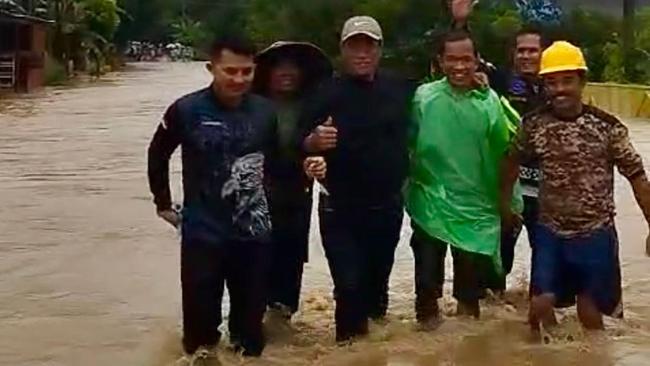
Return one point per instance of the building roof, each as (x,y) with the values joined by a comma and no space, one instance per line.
(6,15)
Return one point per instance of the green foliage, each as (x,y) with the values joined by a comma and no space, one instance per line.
(494,28)
(410,27)
(55,73)
(614,69)
(148,20)
(643,29)
(218,16)
(593,32)
(83,31)
(189,32)
(101,17)
(641,55)
(315,21)
(405,25)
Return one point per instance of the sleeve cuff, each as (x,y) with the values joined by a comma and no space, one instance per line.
(163,205)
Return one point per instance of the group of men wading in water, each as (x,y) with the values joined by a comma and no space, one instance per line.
(454,153)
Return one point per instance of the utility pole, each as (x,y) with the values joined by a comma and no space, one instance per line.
(629,9)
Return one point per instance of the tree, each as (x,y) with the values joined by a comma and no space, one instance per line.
(148,20)
(189,32)
(219,16)
(101,17)
(83,29)
(410,27)
(628,37)
(592,31)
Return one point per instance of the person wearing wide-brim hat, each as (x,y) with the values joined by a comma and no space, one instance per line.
(286,72)
(313,63)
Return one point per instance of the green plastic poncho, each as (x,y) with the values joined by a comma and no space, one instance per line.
(456,148)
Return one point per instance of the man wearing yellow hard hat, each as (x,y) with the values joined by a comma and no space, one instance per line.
(577,147)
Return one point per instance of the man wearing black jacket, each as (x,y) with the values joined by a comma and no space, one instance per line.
(224,134)
(359,122)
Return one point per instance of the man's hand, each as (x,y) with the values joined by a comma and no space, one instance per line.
(315,167)
(323,138)
(641,188)
(510,220)
(481,80)
(171,217)
(461,10)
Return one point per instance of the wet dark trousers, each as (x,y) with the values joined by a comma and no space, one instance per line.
(360,245)
(205,267)
(509,239)
(290,253)
(470,272)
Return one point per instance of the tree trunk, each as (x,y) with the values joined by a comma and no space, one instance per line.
(629,8)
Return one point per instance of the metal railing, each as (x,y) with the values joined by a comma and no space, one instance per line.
(7,71)
(623,100)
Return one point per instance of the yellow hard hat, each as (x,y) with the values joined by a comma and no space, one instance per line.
(562,56)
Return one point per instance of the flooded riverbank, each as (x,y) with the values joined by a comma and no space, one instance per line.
(89,275)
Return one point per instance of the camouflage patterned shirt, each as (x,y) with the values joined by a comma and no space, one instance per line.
(577,160)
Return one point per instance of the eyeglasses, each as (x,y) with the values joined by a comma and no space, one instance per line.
(244,71)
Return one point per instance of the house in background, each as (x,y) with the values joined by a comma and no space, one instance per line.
(23,41)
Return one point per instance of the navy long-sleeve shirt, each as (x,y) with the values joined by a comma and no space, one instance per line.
(223,155)
(525,95)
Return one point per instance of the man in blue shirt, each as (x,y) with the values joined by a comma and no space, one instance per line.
(225,135)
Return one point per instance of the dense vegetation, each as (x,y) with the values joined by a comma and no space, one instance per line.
(409,25)
(83,30)
(88,29)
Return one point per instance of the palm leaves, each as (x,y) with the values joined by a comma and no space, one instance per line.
(83,28)
(188,31)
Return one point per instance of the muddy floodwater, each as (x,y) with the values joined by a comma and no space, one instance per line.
(89,275)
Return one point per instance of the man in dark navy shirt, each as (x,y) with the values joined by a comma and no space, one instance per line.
(359,122)
(225,134)
(525,92)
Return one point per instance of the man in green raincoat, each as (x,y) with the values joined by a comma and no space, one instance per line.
(461,135)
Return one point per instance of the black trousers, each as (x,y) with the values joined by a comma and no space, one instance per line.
(290,252)
(509,239)
(470,273)
(360,245)
(243,266)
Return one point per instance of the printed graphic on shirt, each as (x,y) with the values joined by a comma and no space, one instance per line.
(530,178)
(518,87)
(245,188)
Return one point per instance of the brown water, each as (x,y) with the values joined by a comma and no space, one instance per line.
(89,276)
